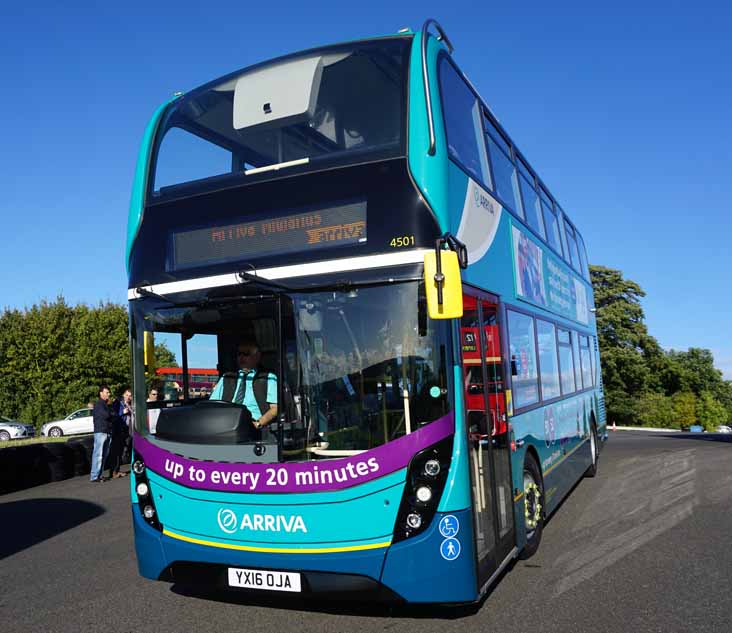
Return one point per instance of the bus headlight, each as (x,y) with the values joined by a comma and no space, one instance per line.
(148,512)
(414,520)
(142,489)
(426,478)
(424,494)
(138,467)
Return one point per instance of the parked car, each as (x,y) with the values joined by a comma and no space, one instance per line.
(80,421)
(723,428)
(10,429)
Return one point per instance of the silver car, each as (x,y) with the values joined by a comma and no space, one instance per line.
(10,429)
(80,421)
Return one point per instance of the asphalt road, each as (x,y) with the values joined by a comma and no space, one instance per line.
(645,546)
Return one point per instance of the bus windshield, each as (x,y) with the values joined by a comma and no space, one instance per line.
(353,369)
(337,102)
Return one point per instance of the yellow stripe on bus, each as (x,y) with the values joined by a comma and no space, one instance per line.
(278,550)
(553,466)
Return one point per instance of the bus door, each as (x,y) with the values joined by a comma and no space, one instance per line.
(488,441)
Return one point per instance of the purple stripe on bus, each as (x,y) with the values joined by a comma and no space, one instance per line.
(315,476)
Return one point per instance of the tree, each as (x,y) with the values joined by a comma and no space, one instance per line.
(619,313)
(698,371)
(631,359)
(54,356)
(684,409)
(655,410)
(709,412)
(639,377)
(164,357)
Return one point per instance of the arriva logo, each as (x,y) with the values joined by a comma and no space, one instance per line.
(482,200)
(227,520)
(229,523)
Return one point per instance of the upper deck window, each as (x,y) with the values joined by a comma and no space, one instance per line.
(340,103)
(572,244)
(552,225)
(532,206)
(462,114)
(583,256)
(497,136)
(504,172)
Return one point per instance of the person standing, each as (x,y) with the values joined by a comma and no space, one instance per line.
(102,417)
(121,418)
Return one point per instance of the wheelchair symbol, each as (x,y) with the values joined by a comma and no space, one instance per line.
(449,526)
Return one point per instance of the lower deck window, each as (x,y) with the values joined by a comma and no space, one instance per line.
(524,376)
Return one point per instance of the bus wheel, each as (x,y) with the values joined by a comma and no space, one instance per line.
(533,506)
(592,468)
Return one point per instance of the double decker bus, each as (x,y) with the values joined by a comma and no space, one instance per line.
(172,382)
(419,296)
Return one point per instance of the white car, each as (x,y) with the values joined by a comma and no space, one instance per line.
(723,428)
(80,421)
(10,429)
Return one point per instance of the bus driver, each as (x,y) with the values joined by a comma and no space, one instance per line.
(252,386)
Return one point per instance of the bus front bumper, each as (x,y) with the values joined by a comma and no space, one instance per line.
(409,571)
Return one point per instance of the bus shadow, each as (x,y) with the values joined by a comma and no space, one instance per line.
(705,437)
(28,522)
(338,607)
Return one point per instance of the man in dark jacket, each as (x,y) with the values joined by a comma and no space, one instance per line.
(121,427)
(102,433)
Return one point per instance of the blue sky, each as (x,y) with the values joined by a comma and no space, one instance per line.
(623,109)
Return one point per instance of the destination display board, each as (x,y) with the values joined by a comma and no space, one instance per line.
(306,229)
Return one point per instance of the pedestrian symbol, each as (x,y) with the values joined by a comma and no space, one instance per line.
(449,526)
(450,549)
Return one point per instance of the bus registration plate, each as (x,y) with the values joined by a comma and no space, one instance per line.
(263,579)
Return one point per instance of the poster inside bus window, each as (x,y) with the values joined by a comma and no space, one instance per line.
(544,281)
(302,230)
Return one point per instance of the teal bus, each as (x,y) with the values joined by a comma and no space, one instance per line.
(426,388)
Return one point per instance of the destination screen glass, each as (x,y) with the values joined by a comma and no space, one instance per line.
(308,229)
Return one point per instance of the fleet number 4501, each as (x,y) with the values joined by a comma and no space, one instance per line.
(402,241)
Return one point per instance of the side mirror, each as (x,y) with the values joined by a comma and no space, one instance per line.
(443,286)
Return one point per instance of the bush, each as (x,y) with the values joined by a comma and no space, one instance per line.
(655,410)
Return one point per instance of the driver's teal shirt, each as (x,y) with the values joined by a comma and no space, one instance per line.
(250,402)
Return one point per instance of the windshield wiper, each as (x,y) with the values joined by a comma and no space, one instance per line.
(144,292)
(346,284)
(253,277)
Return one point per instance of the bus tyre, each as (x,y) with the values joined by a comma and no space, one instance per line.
(533,506)
(54,431)
(592,469)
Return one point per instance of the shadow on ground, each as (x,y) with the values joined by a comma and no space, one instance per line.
(25,523)
(333,607)
(705,437)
